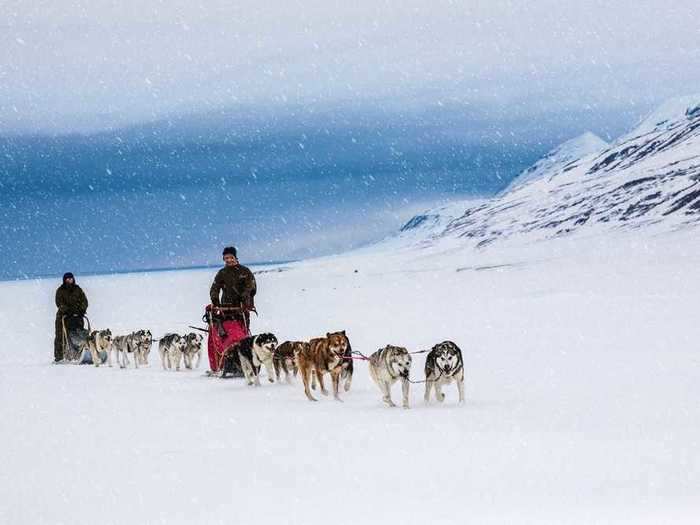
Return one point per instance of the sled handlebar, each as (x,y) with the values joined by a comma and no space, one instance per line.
(231,308)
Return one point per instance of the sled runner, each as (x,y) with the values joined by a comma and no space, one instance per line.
(227,326)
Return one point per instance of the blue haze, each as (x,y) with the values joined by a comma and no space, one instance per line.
(280,187)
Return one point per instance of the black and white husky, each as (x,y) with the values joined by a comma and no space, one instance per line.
(193,349)
(170,348)
(99,342)
(138,344)
(254,351)
(386,366)
(444,365)
(144,346)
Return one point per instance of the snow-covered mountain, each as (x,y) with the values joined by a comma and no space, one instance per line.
(649,176)
(559,158)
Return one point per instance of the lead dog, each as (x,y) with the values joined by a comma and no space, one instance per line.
(97,342)
(171,347)
(444,365)
(323,355)
(254,351)
(193,348)
(284,359)
(386,366)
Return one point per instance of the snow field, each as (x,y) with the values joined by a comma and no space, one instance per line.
(581,384)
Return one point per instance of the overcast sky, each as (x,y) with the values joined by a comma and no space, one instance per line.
(82,66)
(299,129)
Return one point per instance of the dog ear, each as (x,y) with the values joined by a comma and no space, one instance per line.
(343,332)
(328,334)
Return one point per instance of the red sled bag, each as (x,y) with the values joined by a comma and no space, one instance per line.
(233,322)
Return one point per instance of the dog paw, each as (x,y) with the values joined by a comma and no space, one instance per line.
(324,392)
(338,399)
(441,397)
(406,407)
(270,380)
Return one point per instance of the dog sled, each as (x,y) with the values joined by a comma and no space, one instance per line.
(227,325)
(76,349)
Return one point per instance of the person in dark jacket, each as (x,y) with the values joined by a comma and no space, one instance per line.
(72,305)
(233,287)
(234,284)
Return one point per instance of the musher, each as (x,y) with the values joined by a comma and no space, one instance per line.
(72,305)
(232,299)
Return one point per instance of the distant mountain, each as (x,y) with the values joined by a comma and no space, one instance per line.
(560,158)
(650,176)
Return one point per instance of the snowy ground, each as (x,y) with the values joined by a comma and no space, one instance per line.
(583,387)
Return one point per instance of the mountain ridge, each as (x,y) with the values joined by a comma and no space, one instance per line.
(649,176)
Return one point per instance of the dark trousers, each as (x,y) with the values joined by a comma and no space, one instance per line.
(58,340)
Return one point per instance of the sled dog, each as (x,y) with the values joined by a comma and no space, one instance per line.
(347,368)
(254,351)
(136,343)
(323,355)
(231,363)
(120,345)
(386,366)
(171,348)
(284,359)
(97,342)
(444,365)
(193,348)
(145,341)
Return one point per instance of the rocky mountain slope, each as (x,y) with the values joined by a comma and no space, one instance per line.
(651,176)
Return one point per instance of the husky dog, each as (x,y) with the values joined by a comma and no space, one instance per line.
(347,367)
(193,348)
(137,343)
(323,355)
(231,363)
(443,365)
(120,345)
(284,359)
(254,351)
(145,341)
(386,366)
(171,347)
(100,341)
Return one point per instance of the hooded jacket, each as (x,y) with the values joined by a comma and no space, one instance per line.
(70,299)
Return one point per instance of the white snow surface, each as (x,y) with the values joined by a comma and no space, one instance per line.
(582,382)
